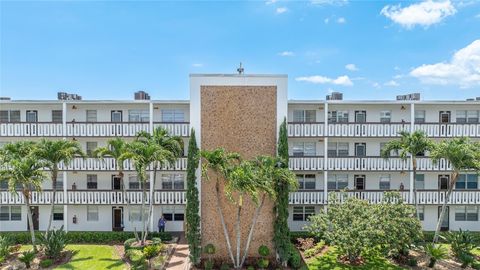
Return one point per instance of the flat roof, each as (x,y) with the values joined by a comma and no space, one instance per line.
(239,75)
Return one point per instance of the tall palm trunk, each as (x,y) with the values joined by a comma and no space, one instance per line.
(414,162)
(444,206)
(150,209)
(222,220)
(144,196)
(26,196)
(250,233)
(52,203)
(237,228)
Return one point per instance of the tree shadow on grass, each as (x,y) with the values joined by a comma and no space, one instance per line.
(115,262)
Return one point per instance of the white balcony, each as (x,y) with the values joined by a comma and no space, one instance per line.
(109,164)
(96,197)
(306,129)
(305,163)
(31,129)
(105,129)
(458,197)
(449,130)
(177,129)
(366,129)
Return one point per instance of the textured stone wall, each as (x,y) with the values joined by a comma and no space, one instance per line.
(242,119)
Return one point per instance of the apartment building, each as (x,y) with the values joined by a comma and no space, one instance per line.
(334,145)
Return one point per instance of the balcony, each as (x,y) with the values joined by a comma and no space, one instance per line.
(97,197)
(109,164)
(424,197)
(88,129)
(446,130)
(302,130)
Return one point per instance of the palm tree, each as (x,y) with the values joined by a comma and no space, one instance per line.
(117,149)
(220,162)
(169,149)
(463,155)
(410,145)
(22,168)
(54,153)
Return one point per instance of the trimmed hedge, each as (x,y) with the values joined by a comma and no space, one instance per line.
(75,237)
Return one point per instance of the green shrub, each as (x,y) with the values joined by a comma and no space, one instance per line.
(27,258)
(208,264)
(225,266)
(462,242)
(263,263)
(54,242)
(476,265)
(250,268)
(435,252)
(128,243)
(295,259)
(466,259)
(46,263)
(263,251)
(316,249)
(209,249)
(136,257)
(150,251)
(412,262)
(79,237)
(4,246)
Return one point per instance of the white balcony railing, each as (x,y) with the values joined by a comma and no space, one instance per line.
(306,163)
(109,164)
(449,129)
(87,129)
(306,129)
(366,129)
(97,197)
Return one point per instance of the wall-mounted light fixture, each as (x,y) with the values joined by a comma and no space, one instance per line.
(403,108)
(74,107)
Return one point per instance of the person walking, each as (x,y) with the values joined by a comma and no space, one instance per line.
(161,224)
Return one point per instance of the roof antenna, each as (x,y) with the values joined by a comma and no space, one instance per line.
(240,69)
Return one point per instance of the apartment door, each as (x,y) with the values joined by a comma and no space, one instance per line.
(359,182)
(117,116)
(444,117)
(116,182)
(445,226)
(34,210)
(360,149)
(443,182)
(360,116)
(31,116)
(117,218)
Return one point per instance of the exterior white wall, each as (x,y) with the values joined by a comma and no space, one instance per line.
(16,225)
(373,111)
(104,222)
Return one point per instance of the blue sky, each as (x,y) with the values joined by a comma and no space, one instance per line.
(367,50)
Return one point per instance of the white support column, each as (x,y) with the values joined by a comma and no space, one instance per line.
(412,126)
(64,120)
(150,125)
(65,201)
(325,156)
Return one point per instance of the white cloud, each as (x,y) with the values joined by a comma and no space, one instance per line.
(376,85)
(396,68)
(269,2)
(326,21)
(463,69)
(351,67)
(398,76)
(281,10)
(391,83)
(286,53)
(425,13)
(197,65)
(477,16)
(341,20)
(317,79)
(329,2)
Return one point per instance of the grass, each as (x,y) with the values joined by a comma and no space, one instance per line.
(329,261)
(91,257)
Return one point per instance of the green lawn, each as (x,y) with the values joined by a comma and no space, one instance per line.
(91,257)
(329,261)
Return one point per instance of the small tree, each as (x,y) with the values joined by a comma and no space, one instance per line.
(22,169)
(410,145)
(192,229)
(463,155)
(54,153)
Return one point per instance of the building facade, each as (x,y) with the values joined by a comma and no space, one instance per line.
(334,145)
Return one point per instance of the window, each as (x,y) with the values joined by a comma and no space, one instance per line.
(4,213)
(338,116)
(58,212)
(91,181)
(466,213)
(301,149)
(59,183)
(172,213)
(419,116)
(420,181)
(91,116)
(133,183)
(57,116)
(31,116)
(337,181)
(173,115)
(304,116)
(302,213)
(12,213)
(421,212)
(385,116)
(173,181)
(337,149)
(91,146)
(3,184)
(306,181)
(138,116)
(384,182)
(92,213)
(9,116)
(467,181)
(135,213)
(464,116)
